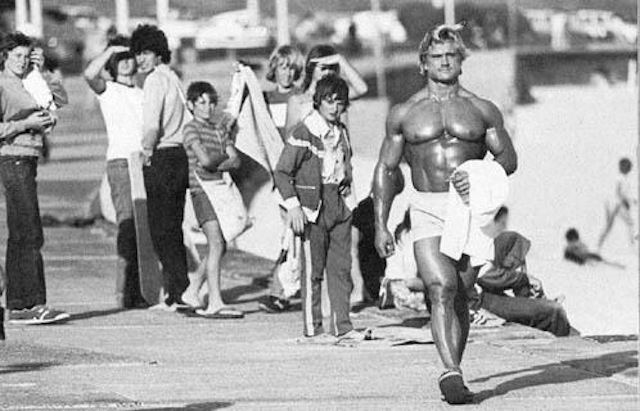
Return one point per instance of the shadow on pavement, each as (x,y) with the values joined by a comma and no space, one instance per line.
(96,313)
(562,372)
(26,367)
(205,406)
(234,294)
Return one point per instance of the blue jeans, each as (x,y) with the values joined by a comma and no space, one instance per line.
(24,266)
(127,280)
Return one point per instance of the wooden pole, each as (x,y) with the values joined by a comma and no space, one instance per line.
(122,16)
(36,18)
(512,6)
(162,12)
(449,12)
(378,53)
(282,18)
(21,15)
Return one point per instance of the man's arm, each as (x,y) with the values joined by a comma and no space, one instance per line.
(93,72)
(210,161)
(37,121)
(384,178)
(284,176)
(155,90)
(497,138)
(357,86)
(233,159)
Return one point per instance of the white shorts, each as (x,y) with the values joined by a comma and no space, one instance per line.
(428,212)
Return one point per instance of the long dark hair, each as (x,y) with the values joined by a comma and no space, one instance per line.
(320,50)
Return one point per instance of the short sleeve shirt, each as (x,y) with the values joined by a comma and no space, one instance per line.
(213,138)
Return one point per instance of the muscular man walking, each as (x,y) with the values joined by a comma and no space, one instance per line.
(437,130)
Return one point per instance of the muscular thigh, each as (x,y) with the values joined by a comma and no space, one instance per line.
(435,269)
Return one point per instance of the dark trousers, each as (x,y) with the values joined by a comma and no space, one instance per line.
(327,245)
(539,313)
(24,266)
(127,278)
(166,181)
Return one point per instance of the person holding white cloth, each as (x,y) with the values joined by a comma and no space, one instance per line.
(210,151)
(437,131)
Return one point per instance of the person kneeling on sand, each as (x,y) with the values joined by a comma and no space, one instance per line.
(210,150)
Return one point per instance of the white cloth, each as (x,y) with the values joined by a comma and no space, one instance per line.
(402,265)
(36,85)
(279,114)
(121,108)
(257,134)
(466,227)
(289,271)
(333,157)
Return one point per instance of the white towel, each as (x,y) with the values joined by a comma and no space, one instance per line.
(258,136)
(466,228)
(36,85)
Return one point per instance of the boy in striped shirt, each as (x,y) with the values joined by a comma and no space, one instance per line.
(210,151)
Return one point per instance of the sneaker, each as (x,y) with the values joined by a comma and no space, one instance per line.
(354,336)
(273,305)
(40,314)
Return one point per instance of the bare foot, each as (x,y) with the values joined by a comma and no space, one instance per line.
(164,307)
(191,299)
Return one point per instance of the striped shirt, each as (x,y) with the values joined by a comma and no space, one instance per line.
(213,138)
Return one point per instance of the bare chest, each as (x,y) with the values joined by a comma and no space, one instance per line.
(457,119)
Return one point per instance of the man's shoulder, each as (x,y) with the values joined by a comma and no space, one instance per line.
(399,111)
(156,78)
(483,104)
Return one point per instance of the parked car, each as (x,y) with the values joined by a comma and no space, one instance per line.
(367,24)
(234,30)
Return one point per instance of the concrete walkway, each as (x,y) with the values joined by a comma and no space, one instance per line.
(109,359)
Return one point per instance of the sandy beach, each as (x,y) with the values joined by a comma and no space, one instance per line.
(569,144)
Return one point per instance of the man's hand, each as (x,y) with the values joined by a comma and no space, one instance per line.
(37,57)
(39,121)
(297,220)
(145,156)
(330,60)
(118,49)
(384,243)
(345,188)
(460,180)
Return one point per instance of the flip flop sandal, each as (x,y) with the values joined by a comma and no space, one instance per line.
(222,314)
(453,389)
